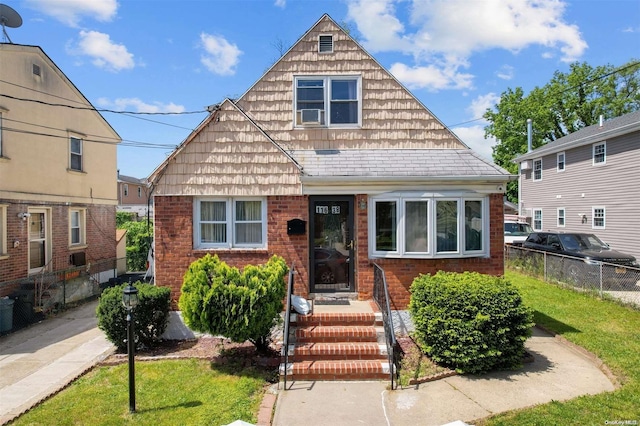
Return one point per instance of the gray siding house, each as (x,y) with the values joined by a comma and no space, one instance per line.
(587,181)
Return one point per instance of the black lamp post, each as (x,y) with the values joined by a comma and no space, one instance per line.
(130,300)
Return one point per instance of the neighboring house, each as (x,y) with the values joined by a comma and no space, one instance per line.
(328,161)
(134,196)
(57,172)
(587,181)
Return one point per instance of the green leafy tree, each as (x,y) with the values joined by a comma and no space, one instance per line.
(221,300)
(139,237)
(567,103)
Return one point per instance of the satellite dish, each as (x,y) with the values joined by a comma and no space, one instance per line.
(9,18)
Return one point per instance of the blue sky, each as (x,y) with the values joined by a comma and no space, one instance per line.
(456,56)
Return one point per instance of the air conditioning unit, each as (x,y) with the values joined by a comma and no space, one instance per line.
(310,116)
(525,165)
(78,259)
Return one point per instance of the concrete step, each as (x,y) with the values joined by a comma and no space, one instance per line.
(337,370)
(337,351)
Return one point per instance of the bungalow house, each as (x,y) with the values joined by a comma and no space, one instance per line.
(328,161)
(57,176)
(588,182)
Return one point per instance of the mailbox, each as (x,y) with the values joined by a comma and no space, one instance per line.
(296,227)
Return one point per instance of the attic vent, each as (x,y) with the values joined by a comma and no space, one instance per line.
(325,44)
(36,70)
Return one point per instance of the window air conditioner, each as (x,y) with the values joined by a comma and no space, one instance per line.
(78,259)
(525,165)
(310,116)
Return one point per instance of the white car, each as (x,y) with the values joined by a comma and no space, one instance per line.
(516,231)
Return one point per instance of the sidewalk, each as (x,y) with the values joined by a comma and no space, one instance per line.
(42,359)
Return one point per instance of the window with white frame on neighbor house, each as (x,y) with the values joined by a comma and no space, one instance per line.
(537,169)
(537,219)
(599,153)
(77,227)
(3,229)
(1,153)
(75,153)
(139,192)
(422,226)
(561,217)
(329,101)
(598,214)
(561,161)
(125,190)
(230,223)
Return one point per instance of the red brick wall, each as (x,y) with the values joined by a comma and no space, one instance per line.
(174,247)
(100,237)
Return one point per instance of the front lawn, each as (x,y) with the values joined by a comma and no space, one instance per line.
(168,392)
(610,331)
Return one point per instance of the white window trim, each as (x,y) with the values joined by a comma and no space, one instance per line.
(564,162)
(83,227)
(3,231)
(533,219)
(593,217)
(1,151)
(81,154)
(533,172)
(593,154)
(564,217)
(432,198)
(139,192)
(125,190)
(47,240)
(230,222)
(327,100)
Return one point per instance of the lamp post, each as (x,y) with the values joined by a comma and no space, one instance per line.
(130,300)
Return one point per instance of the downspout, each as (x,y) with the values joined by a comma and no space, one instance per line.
(529,149)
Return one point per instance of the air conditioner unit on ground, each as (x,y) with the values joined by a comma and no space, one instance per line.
(310,116)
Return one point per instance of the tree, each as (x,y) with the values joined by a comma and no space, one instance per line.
(567,103)
(139,237)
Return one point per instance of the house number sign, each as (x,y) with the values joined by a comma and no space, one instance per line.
(325,209)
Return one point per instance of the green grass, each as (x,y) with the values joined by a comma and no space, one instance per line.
(607,329)
(169,392)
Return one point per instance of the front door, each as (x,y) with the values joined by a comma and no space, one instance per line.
(332,243)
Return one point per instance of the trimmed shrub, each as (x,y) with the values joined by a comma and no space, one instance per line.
(220,300)
(468,321)
(150,317)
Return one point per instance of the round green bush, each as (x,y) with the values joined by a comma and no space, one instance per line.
(468,321)
(220,300)
(150,317)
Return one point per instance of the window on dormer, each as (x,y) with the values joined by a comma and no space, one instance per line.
(325,44)
(328,101)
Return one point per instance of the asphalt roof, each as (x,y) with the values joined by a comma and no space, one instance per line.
(386,163)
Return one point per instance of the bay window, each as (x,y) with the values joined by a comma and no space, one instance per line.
(230,223)
(429,225)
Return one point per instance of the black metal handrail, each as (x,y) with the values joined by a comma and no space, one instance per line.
(287,315)
(381,297)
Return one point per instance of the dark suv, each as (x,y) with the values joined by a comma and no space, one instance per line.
(586,253)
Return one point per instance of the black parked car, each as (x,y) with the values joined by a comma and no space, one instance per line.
(586,254)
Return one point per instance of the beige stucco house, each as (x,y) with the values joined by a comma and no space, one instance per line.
(57,173)
(330,162)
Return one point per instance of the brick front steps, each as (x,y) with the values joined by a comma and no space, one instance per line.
(336,346)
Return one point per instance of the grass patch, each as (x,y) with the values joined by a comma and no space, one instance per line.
(605,328)
(168,392)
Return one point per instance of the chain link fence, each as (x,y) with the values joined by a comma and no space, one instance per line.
(37,296)
(607,280)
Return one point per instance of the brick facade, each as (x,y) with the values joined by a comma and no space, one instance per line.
(174,248)
(100,238)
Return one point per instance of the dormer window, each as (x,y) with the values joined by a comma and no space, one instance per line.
(325,44)
(327,101)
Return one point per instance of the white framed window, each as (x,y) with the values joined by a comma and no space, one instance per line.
(537,169)
(599,153)
(325,43)
(327,101)
(125,190)
(560,161)
(598,214)
(561,217)
(139,192)
(428,225)
(230,223)
(1,153)
(537,219)
(40,238)
(77,227)
(75,153)
(3,230)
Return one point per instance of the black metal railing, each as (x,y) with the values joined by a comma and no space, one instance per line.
(287,320)
(381,296)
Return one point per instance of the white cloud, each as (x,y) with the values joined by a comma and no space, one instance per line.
(431,77)
(137,105)
(220,57)
(448,32)
(281,3)
(473,136)
(505,72)
(71,12)
(105,53)
(480,104)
